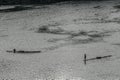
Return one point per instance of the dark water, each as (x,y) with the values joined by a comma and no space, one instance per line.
(13,2)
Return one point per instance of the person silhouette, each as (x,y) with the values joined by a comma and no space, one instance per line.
(84,58)
(14,50)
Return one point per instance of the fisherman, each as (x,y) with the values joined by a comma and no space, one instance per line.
(14,50)
(84,58)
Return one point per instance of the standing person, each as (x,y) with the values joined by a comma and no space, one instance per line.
(84,58)
(14,50)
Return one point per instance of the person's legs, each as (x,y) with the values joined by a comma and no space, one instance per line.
(85,62)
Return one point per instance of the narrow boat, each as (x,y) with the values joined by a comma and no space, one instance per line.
(99,57)
(22,51)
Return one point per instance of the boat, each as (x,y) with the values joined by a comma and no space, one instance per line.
(23,51)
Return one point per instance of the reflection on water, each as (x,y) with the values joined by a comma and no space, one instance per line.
(62,79)
(59,72)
